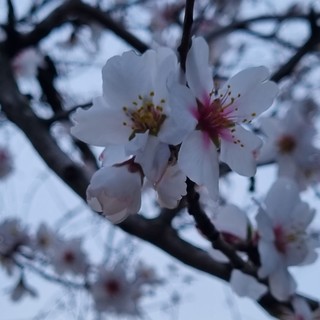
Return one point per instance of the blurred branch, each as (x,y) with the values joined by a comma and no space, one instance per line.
(244,24)
(309,45)
(207,228)
(67,11)
(46,77)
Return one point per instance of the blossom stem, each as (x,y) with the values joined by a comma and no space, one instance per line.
(206,227)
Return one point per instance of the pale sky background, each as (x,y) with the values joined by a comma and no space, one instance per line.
(33,194)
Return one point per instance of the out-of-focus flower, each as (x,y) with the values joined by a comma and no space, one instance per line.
(164,14)
(45,239)
(132,114)
(113,292)
(116,191)
(214,118)
(290,142)
(247,286)
(5,163)
(27,62)
(69,257)
(283,237)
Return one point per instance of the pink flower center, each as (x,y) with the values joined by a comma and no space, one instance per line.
(69,257)
(287,144)
(216,118)
(112,287)
(280,239)
(144,115)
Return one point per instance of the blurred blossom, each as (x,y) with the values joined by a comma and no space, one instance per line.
(283,238)
(290,142)
(45,239)
(113,292)
(69,257)
(247,286)
(27,62)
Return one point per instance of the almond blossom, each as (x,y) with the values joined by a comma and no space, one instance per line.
(27,62)
(116,191)
(213,118)
(113,292)
(69,257)
(131,116)
(283,237)
(290,142)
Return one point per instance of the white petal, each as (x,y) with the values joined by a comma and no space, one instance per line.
(302,308)
(246,286)
(118,217)
(281,201)
(240,156)
(114,190)
(198,73)
(265,226)
(198,159)
(256,101)
(245,80)
(270,258)
(232,220)
(282,284)
(113,154)
(124,78)
(183,108)
(101,125)
(153,157)
(171,187)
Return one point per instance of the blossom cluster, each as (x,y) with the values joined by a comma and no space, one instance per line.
(282,236)
(160,126)
(114,288)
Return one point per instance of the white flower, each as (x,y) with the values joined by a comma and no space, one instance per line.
(290,144)
(69,257)
(45,239)
(213,118)
(283,239)
(113,292)
(247,286)
(5,163)
(27,62)
(132,114)
(116,191)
